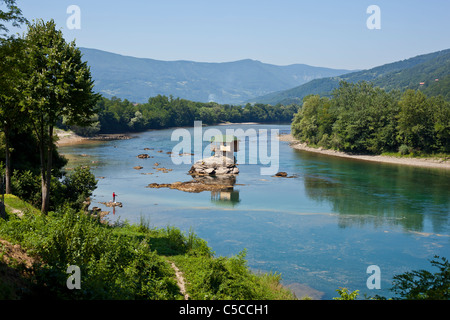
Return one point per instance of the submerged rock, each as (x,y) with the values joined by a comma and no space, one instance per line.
(144,156)
(112,204)
(191,186)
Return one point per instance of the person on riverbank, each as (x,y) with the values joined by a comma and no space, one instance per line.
(114,197)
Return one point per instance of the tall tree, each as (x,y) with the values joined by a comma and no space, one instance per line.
(11,116)
(58,84)
(415,120)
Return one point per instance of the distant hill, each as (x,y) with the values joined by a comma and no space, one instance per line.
(401,75)
(137,79)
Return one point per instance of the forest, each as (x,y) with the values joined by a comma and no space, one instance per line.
(362,118)
(117,116)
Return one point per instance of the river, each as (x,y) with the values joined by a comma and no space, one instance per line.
(321,227)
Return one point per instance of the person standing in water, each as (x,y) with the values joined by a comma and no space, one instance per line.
(114,197)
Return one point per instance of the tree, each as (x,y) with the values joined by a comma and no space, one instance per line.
(423,284)
(79,186)
(11,117)
(58,84)
(13,15)
(9,72)
(415,122)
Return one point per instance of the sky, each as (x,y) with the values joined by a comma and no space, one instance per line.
(325,33)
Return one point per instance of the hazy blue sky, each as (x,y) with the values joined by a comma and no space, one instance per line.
(326,33)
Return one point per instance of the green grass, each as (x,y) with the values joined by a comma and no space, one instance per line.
(14,204)
(127,261)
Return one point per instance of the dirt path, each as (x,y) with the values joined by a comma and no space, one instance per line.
(180,280)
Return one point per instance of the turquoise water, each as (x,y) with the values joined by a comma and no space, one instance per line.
(321,229)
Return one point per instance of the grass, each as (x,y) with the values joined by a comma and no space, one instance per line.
(14,204)
(124,261)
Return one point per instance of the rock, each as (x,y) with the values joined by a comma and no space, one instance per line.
(138,167)
(214,166)
(143,156)
(281,174)
(191,186)
(112,204)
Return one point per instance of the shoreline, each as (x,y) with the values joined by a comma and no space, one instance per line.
(67,138)
(417,162)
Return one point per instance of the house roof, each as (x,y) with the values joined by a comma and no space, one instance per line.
(224,138)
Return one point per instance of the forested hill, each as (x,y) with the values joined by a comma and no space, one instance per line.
(136,79)
(401,75)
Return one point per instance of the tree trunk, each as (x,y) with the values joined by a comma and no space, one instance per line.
(46,151)
(7,162)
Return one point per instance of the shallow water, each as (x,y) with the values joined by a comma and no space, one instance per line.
(321,229)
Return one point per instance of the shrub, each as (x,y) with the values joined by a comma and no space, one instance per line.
(404,149)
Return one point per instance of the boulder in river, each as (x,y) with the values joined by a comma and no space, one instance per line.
(214,166)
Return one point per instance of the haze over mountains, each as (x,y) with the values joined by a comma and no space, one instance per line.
(138,79)
(428,72)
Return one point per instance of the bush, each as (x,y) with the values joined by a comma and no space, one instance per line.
(80,184)
(113,265)
(404,149)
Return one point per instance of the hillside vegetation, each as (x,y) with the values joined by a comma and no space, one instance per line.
(401,75)
(363,118)
(119,261)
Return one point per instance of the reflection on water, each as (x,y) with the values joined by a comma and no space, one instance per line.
(378,193)
(225,197)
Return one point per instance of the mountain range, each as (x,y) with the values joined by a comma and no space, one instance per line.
(428,72)
(138,79)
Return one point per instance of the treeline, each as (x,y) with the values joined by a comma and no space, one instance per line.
(362,118)
(116,115)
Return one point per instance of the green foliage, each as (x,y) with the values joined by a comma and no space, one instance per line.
(364,119)
(79,185)
(423,284)
(13,16)
(113,266)
(57,84)
(401,75)
(73,190)
(211,278)
(116,115)
(404,149)
(345,294)
(126,261)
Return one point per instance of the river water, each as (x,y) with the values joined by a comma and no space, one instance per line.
(321,227)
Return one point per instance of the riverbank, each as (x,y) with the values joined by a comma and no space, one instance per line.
(71,138)
(418,162)
(154,263)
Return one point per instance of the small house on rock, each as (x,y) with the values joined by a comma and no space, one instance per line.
(222,161)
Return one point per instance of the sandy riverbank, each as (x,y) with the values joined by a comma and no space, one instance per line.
(418,162)
(70,138)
